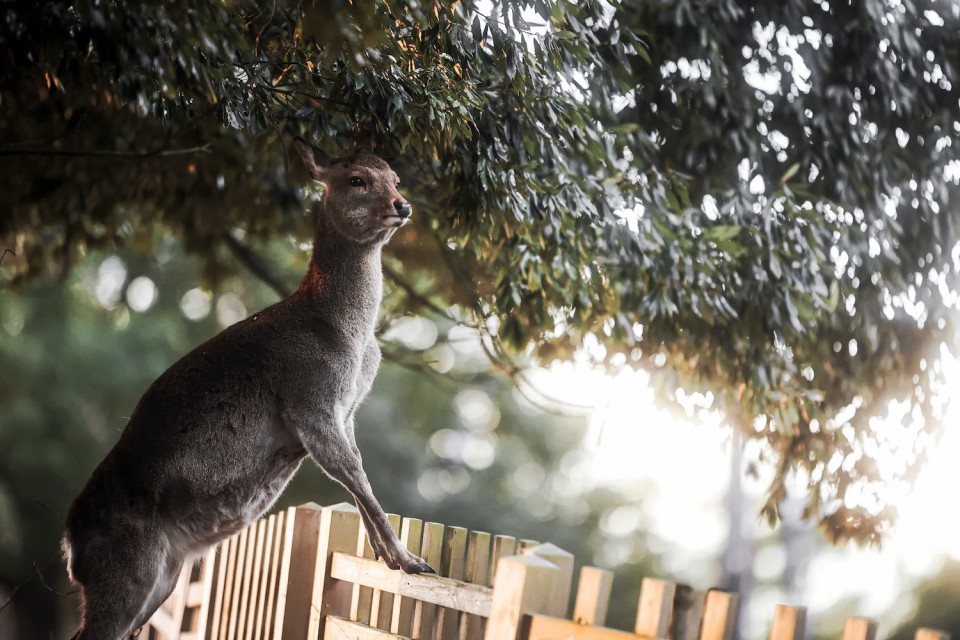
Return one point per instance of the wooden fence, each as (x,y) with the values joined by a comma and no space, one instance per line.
(309,573)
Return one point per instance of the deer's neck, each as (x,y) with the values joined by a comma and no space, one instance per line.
(344,284)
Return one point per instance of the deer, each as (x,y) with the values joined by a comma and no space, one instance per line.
(215,439)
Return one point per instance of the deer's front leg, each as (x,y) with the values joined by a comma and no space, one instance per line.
(332,449)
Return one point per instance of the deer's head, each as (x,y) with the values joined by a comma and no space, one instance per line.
(360,194)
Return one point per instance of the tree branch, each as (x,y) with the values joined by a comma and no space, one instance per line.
(413,294)
(73,153)
(255,264)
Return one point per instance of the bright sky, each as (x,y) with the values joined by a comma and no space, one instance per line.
(684,464)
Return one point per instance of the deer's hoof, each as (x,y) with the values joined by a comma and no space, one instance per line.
(418,567)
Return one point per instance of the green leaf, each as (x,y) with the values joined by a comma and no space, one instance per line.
(721,232)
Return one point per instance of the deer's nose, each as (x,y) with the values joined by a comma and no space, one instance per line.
(403,208)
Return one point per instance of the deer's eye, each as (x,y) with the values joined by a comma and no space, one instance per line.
(356,181)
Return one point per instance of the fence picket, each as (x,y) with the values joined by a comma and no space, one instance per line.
(402,619)
(525,543)
(273,584)
(297,568)
(503,546)
(256,568)
(247,568)
(478,565)
(216,600)
(425,615)
(452,566)
(859,629)
(593,596)
(719,615)
(228,587)
(925,633)
(362,598)
(687,613)
(204,601)
(381,607)
(238,573)
(524,584)
(339,530)
(265,549)
(789,622)
(655,608)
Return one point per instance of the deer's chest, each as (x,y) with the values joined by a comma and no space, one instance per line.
(356,384)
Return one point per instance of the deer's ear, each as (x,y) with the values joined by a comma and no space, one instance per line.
(315,160)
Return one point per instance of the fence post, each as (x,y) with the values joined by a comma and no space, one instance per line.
(306,592)
(789,622)
(593,596)
(523,584)
(655,609)
(859,629)
(563,560)
(339,531)
(719,615)
(296,571)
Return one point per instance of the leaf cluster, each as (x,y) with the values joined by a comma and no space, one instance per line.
(751,200)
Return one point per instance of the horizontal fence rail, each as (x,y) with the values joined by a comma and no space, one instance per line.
(310,573)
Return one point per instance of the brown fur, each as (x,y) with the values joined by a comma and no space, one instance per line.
(216,438)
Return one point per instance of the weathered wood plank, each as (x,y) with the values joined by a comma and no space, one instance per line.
(445,592)
(348,630)
(550,628)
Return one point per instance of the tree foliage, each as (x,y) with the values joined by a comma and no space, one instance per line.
(755,200)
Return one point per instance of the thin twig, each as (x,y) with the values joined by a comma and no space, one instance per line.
(158,153)
(46,586)
(36,574)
